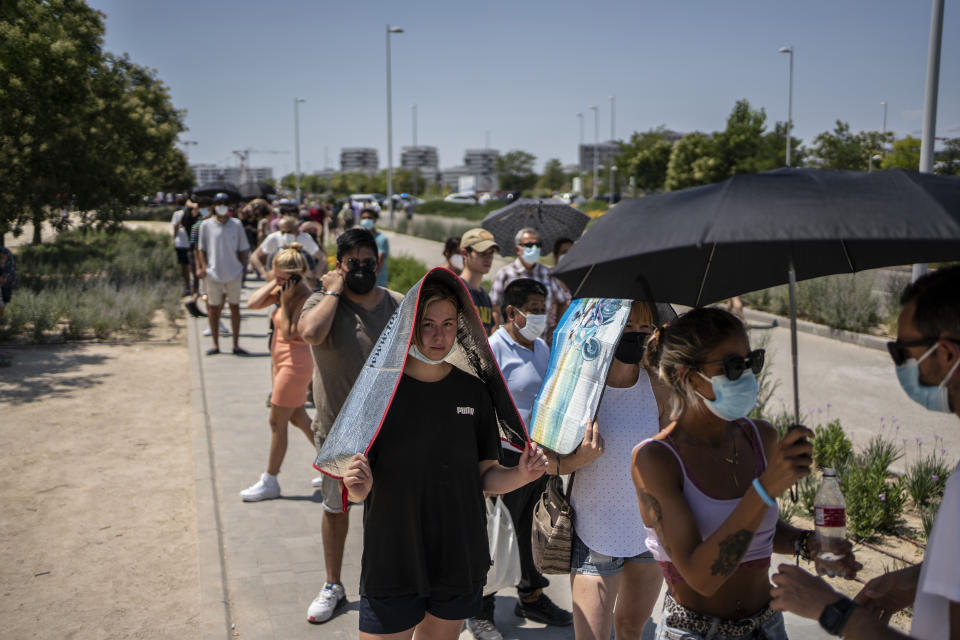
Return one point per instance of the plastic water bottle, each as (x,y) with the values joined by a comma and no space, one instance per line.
(830,519)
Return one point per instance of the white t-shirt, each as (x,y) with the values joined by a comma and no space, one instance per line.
(279,240)
(939,583)
(182,239)
(222,241)
(606,515)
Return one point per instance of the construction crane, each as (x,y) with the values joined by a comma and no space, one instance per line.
(244,155)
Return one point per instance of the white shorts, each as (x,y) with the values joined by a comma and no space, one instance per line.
(217,290)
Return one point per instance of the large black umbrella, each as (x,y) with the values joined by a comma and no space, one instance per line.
(255,190)
(553,219)
(752,231)
(211,189)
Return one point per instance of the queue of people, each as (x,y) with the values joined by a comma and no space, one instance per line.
(672,482)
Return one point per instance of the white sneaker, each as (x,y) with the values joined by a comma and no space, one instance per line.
(317,482)
(265,489)
(330,598)
(223,331)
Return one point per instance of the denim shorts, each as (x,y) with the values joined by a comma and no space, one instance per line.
(587,562)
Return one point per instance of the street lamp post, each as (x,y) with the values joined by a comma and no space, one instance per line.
(596,151)
(416,153)
(296,139)
(789,101)
(611,169)
(932,89)
(873,158)
(390,126)
(883,126)
(580,152)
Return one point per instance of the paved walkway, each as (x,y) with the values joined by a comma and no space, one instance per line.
(261,564)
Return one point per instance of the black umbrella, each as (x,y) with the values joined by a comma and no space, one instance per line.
(255,190)
(211,189)
(753,231)
(553,219)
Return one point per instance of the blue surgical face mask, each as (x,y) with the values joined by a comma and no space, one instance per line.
(933,398)
(733,399)
(530,255)
(367,223)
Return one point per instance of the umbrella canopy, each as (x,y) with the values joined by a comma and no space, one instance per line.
(255,190)
(211,189)
(704,244)
(553,219)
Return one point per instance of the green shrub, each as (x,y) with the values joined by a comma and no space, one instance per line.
(831,447)
(842,301)
(928,514)
(437,229)
(404,272)
(874,501)
(768,384)
(926,479)
(881,452)
(593,205)
(456,210)
(164,213)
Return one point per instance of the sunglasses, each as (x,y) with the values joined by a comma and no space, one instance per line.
(368,263)
(734,365)
(898,349)
(530,245)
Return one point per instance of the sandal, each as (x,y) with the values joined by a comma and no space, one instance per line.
(212,351)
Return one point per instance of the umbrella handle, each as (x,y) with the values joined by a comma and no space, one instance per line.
(792,287)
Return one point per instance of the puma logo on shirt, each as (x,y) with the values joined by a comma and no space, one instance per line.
(465,411)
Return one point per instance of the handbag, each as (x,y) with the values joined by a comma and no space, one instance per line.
(552,533)
(504,572)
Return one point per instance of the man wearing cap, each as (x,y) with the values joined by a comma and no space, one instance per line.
(527,265)
(223,249)
(478,246)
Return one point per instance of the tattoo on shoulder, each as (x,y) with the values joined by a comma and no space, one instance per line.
(732,548)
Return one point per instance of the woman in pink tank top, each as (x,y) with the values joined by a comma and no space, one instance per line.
(705,482)
(292,364)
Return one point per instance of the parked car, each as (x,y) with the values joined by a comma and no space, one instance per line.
(465,197)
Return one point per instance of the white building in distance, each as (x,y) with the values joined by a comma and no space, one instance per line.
(204,173)
(359,159)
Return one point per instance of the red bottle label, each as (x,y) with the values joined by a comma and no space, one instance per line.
(830,516)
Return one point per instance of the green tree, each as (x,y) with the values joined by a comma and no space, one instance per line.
(78,128)
(694,160)
(842,149)
(904,154)
(772,152)
(645,158)
(515,171)
(948,160)
(739,145)
(553,177)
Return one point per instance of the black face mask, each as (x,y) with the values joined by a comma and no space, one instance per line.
(630,348)
(361,280)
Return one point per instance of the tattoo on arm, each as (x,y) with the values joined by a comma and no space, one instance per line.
(732,548)
(652,507)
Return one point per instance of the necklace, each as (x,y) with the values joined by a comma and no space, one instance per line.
(734,460)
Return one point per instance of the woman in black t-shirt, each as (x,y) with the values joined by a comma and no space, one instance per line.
(425,551)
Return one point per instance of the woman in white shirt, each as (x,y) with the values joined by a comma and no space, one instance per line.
(614,579)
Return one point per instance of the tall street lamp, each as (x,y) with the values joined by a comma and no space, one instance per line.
(580,152)
(873,158)
(613,137)
(296,139)
(416,152)
(789,101)
(596,151)
(390,126)
(883,126)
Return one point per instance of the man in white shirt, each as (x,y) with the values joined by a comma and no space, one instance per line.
(523,357)
(181,242)
(927,356)
(288,234)
(223,249)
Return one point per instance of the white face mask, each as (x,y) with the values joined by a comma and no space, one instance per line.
(204,212)
(416,353)
(536,324)
(222,209)
(456,261)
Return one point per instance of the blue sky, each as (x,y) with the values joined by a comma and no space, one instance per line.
(523,69)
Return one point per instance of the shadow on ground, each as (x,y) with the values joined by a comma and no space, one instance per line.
(37,373)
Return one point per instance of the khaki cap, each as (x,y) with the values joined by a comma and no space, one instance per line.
(478,239)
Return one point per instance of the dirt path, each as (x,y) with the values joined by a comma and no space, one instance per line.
(98,528)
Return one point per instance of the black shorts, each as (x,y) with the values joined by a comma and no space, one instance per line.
(5,294)
(183,256)
(399,613)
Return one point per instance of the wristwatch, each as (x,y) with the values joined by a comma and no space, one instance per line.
(835,615)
